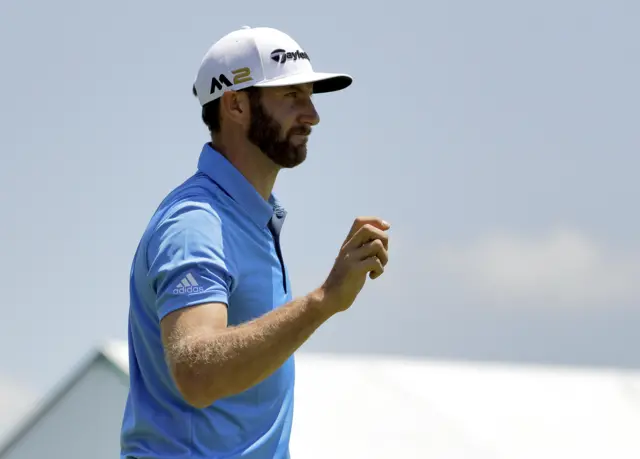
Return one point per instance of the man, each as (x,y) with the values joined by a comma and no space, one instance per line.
(213,326)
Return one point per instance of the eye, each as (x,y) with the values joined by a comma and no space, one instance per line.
(293,94)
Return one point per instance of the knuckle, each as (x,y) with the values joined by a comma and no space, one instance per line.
(370,231)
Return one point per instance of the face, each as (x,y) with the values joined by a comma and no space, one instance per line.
(281,121)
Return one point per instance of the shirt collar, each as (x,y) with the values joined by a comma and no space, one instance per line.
(220,170)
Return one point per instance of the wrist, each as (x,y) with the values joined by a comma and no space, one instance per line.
(323,302)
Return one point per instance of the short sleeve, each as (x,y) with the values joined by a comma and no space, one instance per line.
(187,260)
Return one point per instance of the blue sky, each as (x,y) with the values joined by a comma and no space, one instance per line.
(499,138)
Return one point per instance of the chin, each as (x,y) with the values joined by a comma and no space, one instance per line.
(300,157)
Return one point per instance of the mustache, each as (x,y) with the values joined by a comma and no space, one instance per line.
(300,130)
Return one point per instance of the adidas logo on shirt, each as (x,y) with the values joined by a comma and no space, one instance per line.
(188,284)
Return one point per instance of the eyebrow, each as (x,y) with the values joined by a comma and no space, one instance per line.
(296,88)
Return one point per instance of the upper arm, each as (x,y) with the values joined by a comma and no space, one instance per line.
(180,325)
(190,272)
(182,331)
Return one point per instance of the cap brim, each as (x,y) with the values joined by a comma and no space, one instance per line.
(322,82)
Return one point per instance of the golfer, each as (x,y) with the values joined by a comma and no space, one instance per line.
(213,326)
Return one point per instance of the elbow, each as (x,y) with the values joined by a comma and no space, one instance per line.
(194,387)
(191,386)
(192,396)
(196,402)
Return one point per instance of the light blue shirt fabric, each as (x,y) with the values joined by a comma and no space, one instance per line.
(212,239)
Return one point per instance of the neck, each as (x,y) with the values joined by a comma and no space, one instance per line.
(254,165)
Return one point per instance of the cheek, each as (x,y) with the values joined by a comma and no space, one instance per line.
(286,124)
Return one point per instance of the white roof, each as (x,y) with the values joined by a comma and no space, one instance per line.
(373,407)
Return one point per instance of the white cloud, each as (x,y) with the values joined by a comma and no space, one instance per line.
(563,267)
(15,400)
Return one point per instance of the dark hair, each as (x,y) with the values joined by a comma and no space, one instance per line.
(211,110)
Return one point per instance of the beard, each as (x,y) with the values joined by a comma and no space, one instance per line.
(266,133)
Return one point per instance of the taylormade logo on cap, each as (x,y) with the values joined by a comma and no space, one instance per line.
(281,56)
(261,57)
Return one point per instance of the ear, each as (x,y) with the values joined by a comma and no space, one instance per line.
(234,106)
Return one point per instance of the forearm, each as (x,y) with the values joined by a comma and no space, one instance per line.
(220,363)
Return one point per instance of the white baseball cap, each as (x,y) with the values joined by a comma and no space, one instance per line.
(262,57)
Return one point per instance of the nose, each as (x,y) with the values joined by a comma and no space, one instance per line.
(309,114)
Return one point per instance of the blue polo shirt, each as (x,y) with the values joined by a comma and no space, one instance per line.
(212,239)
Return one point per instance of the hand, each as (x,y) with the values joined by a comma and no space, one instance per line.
(363,253)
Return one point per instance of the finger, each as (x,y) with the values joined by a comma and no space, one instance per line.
(366,234)
(362,221)
(373,266)
(374,248)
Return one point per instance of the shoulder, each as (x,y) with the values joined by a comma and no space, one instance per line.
(191,215)
(196,204)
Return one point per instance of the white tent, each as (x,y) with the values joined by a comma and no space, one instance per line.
(374,408)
